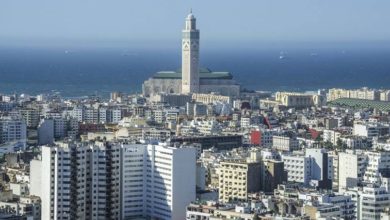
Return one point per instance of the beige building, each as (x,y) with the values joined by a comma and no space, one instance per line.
(210,98)
(363,93)
(385,95)
(299,100)
(237,179)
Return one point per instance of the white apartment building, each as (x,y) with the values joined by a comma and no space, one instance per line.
(104,180)
(158,181)
(370,129)
(113,115)
(77,180)
(267,137)
(377,163)
(12,129)
(78,113)
(321,167)
(30,116)
(283,143)
(352,165)
(354,142)
(345,202)
(102,114)
(298,168)
(91,115)
(159,116)
(209,127)
(60,128)
(372,202)
(328,205)
(331,136)
(245,122)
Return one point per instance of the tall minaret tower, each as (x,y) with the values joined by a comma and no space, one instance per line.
(190,56)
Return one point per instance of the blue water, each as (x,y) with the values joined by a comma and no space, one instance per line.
(81,72)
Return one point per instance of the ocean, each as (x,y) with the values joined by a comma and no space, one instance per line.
(80,72)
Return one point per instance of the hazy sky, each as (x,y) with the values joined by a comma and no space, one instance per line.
(222,22)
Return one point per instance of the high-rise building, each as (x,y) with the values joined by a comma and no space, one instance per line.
(158,181)
(190,56)
(109,180)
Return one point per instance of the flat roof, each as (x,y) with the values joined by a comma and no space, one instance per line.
(361,103)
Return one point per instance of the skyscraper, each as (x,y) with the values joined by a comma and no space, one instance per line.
(113,180)
(190,56)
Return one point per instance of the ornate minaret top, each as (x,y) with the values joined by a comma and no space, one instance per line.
(190,56)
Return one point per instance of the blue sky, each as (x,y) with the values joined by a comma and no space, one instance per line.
(222,22)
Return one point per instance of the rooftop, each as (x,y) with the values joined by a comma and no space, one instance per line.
(360,104)
(204,73)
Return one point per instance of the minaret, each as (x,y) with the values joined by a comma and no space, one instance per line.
(190,56)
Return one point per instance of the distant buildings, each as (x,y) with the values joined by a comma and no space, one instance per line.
(363,93)
(299,100)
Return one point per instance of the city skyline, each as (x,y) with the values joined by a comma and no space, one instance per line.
(148,110)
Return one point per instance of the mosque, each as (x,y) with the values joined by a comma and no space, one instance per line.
(190,78)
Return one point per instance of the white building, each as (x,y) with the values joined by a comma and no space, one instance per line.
(352,165)
(12,129)
(104,179)
(378,163)
(370,129)
(158,181)
(78,113)
(245,122)
(372,202)
(331,136)
(283,143)
(114,115)
(345,202)
(298,168)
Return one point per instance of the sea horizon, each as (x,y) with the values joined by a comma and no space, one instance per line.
(78,72)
